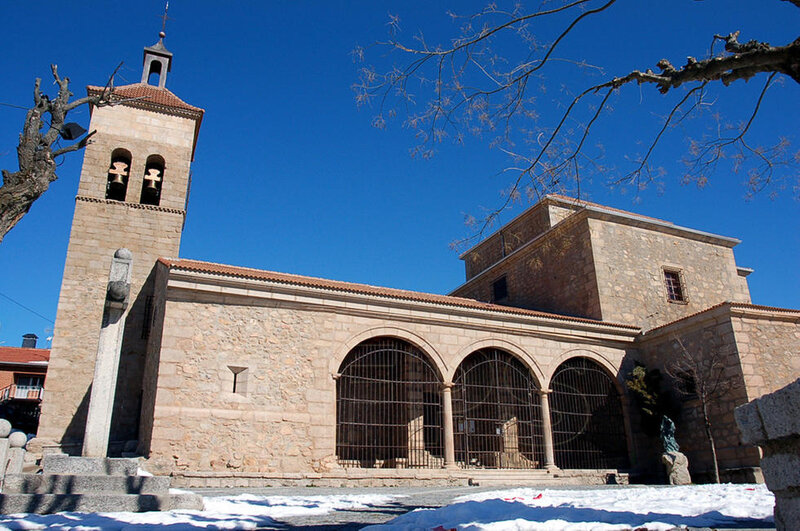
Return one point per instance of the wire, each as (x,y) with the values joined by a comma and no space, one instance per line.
(14,106)
(34,312)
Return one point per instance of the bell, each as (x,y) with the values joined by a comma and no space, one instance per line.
(117,180)
(151,184)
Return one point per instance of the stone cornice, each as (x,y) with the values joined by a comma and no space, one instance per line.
(131,205)
(721,312)
(320,299)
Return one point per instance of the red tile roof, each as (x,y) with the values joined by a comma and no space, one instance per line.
(24,355)
(150,94)
(313,282)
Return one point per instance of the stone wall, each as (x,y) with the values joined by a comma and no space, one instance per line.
(291,340)
(630,262)
(519,231)
(773,422)
(99,227)
(768,343)
(707,337)
(553,274)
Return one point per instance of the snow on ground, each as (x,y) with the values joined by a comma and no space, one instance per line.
(655,508)
(245,511)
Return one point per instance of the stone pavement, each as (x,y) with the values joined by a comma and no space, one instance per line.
(413,498)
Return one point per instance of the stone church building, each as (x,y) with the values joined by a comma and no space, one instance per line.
(238,376)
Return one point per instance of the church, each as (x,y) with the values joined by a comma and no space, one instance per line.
(231,376)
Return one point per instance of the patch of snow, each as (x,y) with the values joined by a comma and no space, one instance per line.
(653,508)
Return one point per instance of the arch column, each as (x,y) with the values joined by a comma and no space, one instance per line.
(447,420)
(547,430)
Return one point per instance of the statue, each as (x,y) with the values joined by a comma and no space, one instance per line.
(668,441)
(677,464)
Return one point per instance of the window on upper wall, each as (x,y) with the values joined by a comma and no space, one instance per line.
(674,284)
(500,289)
(118,172)
(152,181)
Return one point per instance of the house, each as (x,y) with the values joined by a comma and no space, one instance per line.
(238,376)
(22,376)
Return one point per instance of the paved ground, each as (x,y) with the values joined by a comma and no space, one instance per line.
(413,498)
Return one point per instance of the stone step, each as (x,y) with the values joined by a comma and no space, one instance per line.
(71,484)
(95,503)
(89,466)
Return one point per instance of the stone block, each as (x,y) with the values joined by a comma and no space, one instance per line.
(89,466)
(748,418)
(780,411)
(787,512)
(55,503)
(16,460)
(781,471)
(66,484)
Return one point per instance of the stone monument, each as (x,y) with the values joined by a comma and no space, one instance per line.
(773,423)
(676,462)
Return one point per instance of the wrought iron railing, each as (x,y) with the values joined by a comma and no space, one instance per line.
(22,392)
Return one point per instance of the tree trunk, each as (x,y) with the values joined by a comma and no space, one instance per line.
(710,438)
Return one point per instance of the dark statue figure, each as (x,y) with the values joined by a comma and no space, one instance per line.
(668,436)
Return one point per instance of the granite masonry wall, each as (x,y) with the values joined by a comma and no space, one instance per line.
(629,263)
(768,343)
(290,341)
(555,273)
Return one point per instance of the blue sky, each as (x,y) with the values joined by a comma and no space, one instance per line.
(290,175)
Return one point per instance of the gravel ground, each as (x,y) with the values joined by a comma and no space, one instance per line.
(413,498)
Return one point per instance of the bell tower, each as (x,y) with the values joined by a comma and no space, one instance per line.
(132,194)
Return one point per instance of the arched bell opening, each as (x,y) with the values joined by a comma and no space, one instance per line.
(118,172)
(389,407)
(152,181)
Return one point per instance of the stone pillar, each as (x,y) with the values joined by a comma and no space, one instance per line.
(773,423)
(547,431)
(447,414)
(101,402)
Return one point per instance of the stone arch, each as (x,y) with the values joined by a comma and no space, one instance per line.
(389,409)
(152,180)
(119,171)
(501,344)
(388,331)
(588,416)
(602,360)
(497,413)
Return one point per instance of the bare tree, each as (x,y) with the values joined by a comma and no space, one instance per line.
(700,374)
(39,148)
(479,86)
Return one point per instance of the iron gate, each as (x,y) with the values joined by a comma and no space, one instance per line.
(496,413)
(587,417)
(389,407)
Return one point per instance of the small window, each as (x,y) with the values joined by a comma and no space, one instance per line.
(118,171)
(674,285)
(499,289)
(239,380)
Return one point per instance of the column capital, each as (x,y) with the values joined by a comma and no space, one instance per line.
(545,392)
(336,375)
(446,386)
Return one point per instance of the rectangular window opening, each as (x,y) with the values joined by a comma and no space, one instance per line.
(674,285)
(499,289)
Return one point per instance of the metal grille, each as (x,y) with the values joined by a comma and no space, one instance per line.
(389,408)
(586,412)
(496,413)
